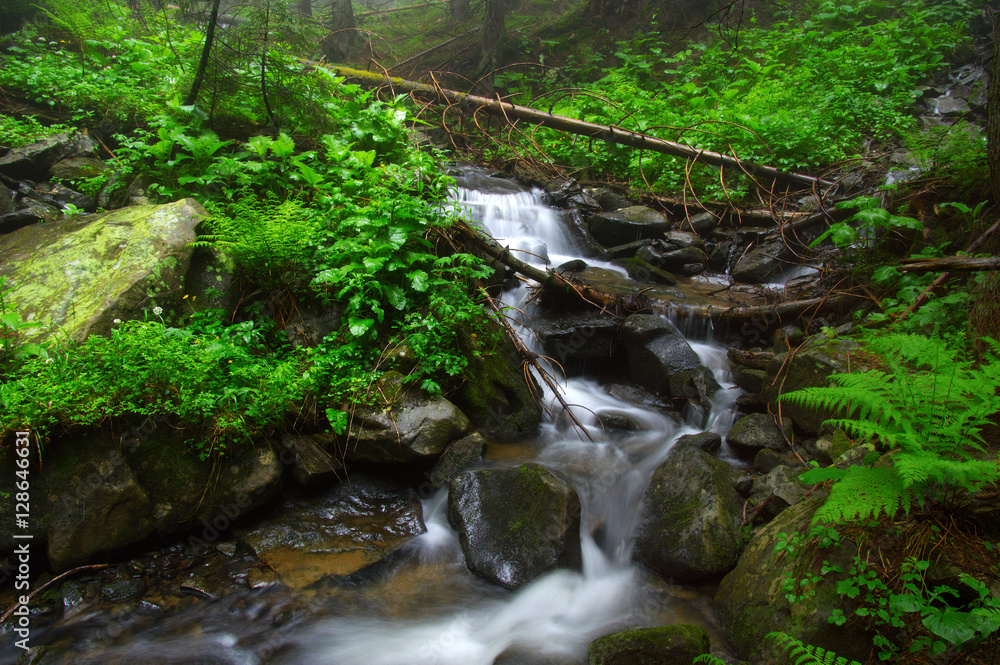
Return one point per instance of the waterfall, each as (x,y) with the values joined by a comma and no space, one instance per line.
(558,614)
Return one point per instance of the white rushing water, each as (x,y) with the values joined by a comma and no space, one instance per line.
(560,613)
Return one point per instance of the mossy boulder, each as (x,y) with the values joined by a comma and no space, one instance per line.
(187,492)
(515,524)
(750,434)
(663,645)
(95,504)
(79,275)
(642,271)
(498,396)
(691,526)
(810,365)
(761,263)
(751,601)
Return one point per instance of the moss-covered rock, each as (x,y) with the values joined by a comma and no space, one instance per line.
(810,365)
(691,526)
(515,524)
(750,434)
(663,645)
(627,225)
(95,502)
(751,600)
(498,396)
(81,274)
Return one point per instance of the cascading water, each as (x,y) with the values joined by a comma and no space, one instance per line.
(558,614)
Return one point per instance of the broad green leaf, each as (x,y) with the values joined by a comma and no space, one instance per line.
(418,280)
(359,327)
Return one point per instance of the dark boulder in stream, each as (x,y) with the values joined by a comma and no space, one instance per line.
(627,225)
(691,527)
(515,524)
(656,351)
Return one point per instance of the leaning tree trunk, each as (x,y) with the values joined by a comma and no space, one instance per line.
(339,43)
(206,50)
(993,117)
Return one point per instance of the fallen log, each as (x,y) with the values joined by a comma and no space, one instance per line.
(394,10)
(950,263)
(609,133)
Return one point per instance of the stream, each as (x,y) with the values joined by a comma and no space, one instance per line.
(426,608)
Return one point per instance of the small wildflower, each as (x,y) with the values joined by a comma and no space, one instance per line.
(116,321)
(48,360)
(185,297)
(157,310)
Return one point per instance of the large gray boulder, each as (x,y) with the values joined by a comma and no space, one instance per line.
(691,527)
(33,161)
(750,434)
(656,351)
(417,427)
(515,524)
(751,601)
(679,644)
(627,225)
(570,336)
(761,263)
(78,275)
(95,504)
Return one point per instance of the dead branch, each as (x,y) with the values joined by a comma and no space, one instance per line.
(609,133)
(951,263)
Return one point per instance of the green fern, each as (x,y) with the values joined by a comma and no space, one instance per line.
(929,409)
(806,654)
(265,237)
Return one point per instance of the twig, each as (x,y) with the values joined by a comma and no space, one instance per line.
(96,566)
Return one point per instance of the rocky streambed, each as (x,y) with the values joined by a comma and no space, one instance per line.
(474,529)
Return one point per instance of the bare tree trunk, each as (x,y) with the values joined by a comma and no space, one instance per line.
(340,42)
(492,34)
(199,75)
(993,116)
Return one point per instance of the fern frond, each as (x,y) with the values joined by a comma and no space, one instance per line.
(865,492)
(807,654)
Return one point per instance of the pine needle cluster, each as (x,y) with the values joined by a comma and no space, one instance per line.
(928,409)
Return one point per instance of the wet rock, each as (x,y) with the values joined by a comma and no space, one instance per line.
(95,502)
(710,442)
(414,426)
(751,433)
(685,261)
(210,281)
(459,456)
(197,585)
(750,403)
(498,397)
(641,271)
(825,449)
(261,577)
(570,267)
(6,200)
(515,524)
(310,461)
(766,460)
(610,200)
(628,250)
(80,274)
(572,337)
(59,197)
(32,213)
(125,588)
(627,225)
(33,161)
(338,532)
(779,488)
(691,525)
(682,240)
(750,380)
(72,596)
(77,168)
(761,263)
(750,601)
(188,494)
(618,421)
(679,644)
(656,351)
(702,224)
(811,365)
(695,384)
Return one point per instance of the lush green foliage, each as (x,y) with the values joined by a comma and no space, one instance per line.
(802,94)
(806,654)
(18,132)
(227,383)
(928,410)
